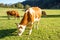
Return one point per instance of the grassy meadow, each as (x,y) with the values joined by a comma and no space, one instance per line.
(49,26)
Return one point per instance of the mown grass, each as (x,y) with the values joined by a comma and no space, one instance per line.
(49,27)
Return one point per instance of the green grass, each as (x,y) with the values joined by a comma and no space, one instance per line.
(49,27)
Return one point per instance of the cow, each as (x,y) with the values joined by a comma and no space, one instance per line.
(44,13)
(12,13)
(31,15)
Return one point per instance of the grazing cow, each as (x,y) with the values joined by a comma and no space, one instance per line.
(12,13)
(43,13)
(31,15)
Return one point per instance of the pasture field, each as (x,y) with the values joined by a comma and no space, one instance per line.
(49,26)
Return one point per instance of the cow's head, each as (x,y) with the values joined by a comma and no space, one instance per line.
(21,28)
(18,16)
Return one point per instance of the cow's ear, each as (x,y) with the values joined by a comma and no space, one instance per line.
(17,24)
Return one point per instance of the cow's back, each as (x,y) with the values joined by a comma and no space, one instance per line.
(11,13)
(34,14)
(37,12)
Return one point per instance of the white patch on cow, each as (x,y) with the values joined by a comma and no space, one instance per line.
(26,11)
(32,23)
(21,29)
(22,26)
(31,10)
(36,19)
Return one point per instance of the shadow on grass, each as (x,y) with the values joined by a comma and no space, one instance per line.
(3,16)
(8,32)
(7,17)
(51,16)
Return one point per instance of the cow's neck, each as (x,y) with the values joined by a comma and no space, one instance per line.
(24,20)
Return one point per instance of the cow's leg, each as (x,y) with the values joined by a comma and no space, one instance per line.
(8,17)
(37,25)
(15,17)
(34,25)
(18,18)
(30,31)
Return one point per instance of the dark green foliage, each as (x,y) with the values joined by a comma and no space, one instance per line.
(48,4)
(19,5)
(27,6)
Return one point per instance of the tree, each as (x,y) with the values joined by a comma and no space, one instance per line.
(1,4)
(27,6)
(13,6)
(19,5)
(32,0)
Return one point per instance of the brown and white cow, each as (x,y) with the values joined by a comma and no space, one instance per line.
(12,13)
(31,15)
(44,13)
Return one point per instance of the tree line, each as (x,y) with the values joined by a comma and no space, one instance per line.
(16,5)
(45,4)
